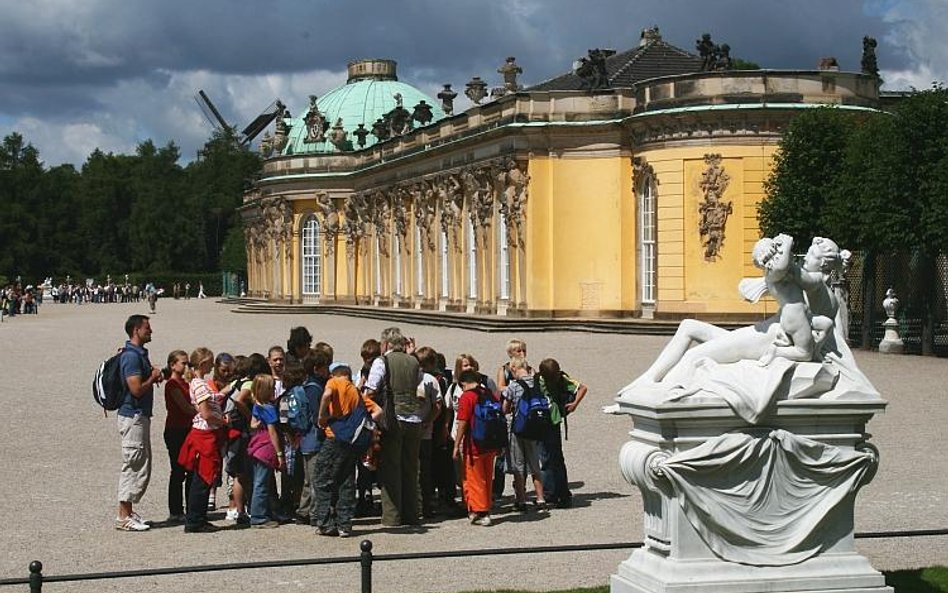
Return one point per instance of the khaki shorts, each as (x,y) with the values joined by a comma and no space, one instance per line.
(523,457)
(136,457)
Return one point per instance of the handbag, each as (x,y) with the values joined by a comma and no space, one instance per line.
(261,448)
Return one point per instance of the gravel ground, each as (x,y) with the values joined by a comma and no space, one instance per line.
(61,458)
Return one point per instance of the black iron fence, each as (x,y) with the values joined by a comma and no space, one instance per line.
(922,288)
(366,559)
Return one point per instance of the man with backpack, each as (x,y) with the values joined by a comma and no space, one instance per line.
(134,422)
(530,424)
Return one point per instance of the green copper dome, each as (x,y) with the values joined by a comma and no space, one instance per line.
(367,96)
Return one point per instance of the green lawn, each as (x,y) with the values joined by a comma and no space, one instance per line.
(923,580)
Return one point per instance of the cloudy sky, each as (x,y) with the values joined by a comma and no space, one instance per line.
(81,74)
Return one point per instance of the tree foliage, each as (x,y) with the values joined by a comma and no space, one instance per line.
(121,214)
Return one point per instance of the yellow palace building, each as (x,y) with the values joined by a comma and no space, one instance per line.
(627,187)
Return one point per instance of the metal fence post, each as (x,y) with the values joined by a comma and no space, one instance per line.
(36,577)
(365,559)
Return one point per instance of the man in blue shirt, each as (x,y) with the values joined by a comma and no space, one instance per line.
(134,422)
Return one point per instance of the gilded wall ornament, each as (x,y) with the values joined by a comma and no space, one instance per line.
(713,211)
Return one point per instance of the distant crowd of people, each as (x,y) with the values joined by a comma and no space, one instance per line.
(297,436)
(17,299)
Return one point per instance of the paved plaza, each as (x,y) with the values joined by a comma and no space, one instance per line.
(59,468)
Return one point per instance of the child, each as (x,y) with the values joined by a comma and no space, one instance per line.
(478,463)
(334,476)
(200,453)
(265,449)
(564,394)
(522,454)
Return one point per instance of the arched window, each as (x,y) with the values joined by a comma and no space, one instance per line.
(312,258)
(648,222)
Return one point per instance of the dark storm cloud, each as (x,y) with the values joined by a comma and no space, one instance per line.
(111,61)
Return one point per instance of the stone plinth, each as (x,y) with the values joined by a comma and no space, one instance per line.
(679,556)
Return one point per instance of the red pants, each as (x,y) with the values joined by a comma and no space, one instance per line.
(478,479)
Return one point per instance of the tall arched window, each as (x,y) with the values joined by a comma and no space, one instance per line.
(312,259)
(648,212)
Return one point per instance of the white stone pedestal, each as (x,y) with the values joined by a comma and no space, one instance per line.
(676,559)
(891,342)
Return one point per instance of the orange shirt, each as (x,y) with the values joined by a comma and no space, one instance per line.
(343,397)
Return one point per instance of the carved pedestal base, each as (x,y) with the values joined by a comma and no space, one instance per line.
(891,343)
(679,458)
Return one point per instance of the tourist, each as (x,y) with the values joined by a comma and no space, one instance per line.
(316,367)
(200,453)
(134,422)
(265,450)
(365,470)
(293,407)
(393,384)
(236,462)
(180,413)
(430,390)
(334,472)
(223,374)
(478,462)
(276,357)
(564,394)
(523,455)
(298,345)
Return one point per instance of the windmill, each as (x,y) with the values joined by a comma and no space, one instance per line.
(253,129)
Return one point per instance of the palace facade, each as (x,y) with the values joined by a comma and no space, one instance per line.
(627,187)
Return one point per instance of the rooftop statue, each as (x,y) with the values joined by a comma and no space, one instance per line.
(316,123)
(869,64)
(447,96)
(799,352)
(510,70)
(422,113)
(592,69)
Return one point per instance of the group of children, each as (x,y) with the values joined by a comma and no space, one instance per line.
(300,418)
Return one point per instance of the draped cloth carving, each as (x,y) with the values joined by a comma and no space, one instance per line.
(764,498)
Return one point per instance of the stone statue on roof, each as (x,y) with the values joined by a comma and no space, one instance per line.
(338,136)
(422,113)
(869,64)
(510,70)
(447,96)
(360,133)
(592,69)
(316,124)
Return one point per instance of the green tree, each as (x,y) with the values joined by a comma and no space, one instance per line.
(20,174)
(805,174)
(217,180)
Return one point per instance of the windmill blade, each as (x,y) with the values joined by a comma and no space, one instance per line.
(206,105)
(260,122)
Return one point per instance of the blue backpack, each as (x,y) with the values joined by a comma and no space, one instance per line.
(488,427)
(298,415)
(532,419)
(356,429)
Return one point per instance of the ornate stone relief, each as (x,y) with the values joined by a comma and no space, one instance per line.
(381,211)
(426,210)
(452,204)
(316,124)
(358,215)
(713,211)
(401,202)
(513,196)
(329,220)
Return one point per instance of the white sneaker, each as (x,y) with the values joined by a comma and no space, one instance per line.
(232,514)
(139,518)
(130,523)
